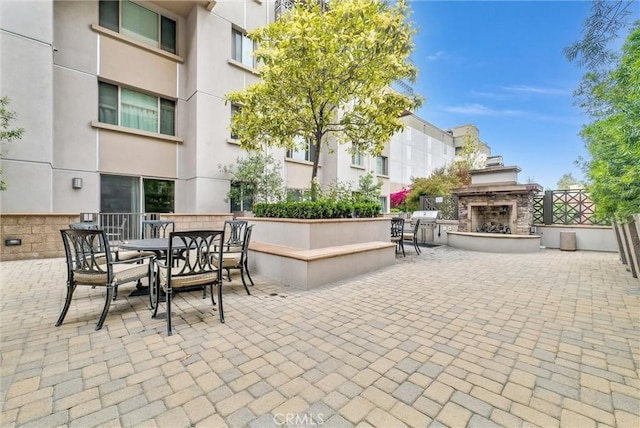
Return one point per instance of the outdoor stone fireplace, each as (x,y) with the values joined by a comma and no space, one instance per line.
(494,202)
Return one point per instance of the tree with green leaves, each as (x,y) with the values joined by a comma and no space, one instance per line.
(603,25)
(613,138)
(470,153)
(368,190)
(325,72)
(567,181)
(256,178)
(7,134)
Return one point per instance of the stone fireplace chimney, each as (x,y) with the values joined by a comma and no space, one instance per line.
(494,202)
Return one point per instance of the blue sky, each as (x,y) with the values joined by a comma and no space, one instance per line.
(499,65)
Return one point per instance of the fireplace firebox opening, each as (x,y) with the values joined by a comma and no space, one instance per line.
(492,218)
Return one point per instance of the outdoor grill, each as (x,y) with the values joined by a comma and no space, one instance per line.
(427,224)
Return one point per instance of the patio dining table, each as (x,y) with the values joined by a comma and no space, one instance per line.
(158,246)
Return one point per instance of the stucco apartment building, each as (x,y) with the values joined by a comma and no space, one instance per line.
(124,108)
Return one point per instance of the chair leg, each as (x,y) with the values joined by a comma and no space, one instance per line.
(70,289)
(402,246)
(107,303)
(244,282)
(415,245)
(169,294)
(155,297)
(228,274)
(213,301)
(220,310)
(115,292)
(152,289)
(246,269)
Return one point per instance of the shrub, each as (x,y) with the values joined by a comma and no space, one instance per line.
(316,210)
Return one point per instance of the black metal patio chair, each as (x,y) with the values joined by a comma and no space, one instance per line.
(91,262)
(157,228)
(413,236)
(239,260)
(195,267)
(397,230)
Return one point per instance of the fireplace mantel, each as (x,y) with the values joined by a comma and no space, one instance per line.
(495,188)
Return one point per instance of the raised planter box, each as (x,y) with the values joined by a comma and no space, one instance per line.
(310,253)
(494,242)
(307,269)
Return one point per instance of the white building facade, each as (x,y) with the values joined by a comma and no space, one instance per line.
(123,105)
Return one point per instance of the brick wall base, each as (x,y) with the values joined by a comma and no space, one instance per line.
(40,233)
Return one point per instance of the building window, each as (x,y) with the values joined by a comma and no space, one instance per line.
(296,195)
(125,194)
(139,23)
(137,110)
(235,109)
(382,165)
(357,158)
(242,48)
(383,204)
(158,196)
(304,151)
(242,203)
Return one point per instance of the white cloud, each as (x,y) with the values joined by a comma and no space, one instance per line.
(493,95)
(438,55)
(526,89)
(481,110)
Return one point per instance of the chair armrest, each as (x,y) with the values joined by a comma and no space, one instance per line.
(135,260)
(161,263)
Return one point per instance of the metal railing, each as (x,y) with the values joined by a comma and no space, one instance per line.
(120,226)
(283,6)
(402,87)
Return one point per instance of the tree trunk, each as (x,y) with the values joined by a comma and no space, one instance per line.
(314,171)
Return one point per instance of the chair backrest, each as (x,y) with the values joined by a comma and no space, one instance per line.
(193,252)
(85,251)
(235,231)
(87,225)
(245,243)
(397,226)
(157,228)
(416,227)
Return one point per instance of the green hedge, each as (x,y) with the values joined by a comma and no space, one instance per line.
(317,210)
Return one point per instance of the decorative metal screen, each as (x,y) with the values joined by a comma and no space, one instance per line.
(447,205)
(538,209)
(567,207)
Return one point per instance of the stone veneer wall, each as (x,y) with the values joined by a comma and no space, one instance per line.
(40,233)
(524,215)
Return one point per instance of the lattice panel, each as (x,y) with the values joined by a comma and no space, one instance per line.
(538,209)
(447,205)
(573,207)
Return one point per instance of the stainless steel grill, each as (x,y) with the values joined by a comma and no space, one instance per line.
(427,224)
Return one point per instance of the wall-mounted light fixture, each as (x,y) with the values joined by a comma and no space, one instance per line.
(76,183)
(12,241)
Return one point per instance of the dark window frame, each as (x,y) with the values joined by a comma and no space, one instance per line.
(165,108)
(110,17)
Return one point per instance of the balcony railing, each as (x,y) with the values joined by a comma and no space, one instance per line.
(283,6)
(120,226)
(402,87)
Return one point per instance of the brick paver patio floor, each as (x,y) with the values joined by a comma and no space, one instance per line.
(449,338)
